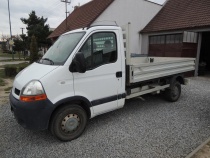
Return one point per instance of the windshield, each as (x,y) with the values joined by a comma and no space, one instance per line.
(61,49)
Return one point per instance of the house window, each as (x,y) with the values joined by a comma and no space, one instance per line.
(166,39)
(178,38)
(190,37)
(162,39)
(170,39)
(157,39)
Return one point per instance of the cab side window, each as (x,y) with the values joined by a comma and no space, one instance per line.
(100,49)
(86,50)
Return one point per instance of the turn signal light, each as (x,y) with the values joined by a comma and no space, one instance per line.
(33,98)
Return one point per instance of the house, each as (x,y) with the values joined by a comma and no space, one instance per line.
(181,29)
(136,12)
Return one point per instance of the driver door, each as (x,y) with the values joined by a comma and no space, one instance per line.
(99,84)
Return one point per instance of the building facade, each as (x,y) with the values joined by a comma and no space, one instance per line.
(136,12)
(181,29)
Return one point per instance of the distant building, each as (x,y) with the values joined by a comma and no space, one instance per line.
(51,29)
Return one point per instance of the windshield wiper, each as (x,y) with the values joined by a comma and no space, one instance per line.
(52,63)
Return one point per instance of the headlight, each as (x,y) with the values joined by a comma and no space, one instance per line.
(33,91)
(33,88)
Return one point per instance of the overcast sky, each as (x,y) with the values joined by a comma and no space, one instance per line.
(158,1)
(54,10)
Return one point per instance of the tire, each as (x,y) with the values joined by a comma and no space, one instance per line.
(68,122)
(173,93)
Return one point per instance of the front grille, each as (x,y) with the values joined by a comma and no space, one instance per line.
(17,91)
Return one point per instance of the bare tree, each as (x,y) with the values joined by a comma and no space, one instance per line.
(5,37)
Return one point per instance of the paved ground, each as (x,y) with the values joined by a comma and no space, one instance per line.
(152,128)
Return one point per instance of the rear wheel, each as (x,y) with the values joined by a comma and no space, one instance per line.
(69,122)
(173,93)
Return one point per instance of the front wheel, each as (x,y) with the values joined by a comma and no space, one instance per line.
(69,122)
(173,93)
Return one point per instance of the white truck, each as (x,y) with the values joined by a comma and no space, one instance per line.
(88,72)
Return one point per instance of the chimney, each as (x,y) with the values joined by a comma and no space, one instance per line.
(76,6)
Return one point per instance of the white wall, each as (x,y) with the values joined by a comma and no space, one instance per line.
(138,12)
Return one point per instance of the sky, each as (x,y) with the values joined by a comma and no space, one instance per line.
(54,10)
(158,1)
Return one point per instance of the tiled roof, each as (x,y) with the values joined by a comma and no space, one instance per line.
(181,14)
(83,16)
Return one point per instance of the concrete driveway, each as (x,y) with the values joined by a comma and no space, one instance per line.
(153,128)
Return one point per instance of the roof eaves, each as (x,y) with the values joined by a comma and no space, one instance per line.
(143,30)
(196,28)
(100,13)
(58,31)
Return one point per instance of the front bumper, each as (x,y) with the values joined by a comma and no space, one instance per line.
(32,115)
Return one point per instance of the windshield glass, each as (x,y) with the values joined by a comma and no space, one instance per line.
(61,49)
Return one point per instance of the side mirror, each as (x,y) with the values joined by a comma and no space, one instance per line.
(78,63)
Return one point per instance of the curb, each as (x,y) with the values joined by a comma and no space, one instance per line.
(198,148)
(4,96)
(12,62)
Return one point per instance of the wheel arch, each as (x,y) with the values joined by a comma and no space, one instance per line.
(172,94)
(179,78)
(82,101)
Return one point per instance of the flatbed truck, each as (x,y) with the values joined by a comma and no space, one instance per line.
(88,72)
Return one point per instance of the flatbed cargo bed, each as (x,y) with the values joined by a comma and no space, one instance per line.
(148,68)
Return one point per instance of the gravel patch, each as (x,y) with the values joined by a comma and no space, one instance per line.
(153,128)
(4,95)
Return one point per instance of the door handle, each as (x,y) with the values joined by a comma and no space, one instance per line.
(119,74)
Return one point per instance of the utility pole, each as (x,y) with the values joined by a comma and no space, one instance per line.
(10,30)
(66,2)
(23,52)
(22,29)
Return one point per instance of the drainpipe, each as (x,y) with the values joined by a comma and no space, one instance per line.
(198,53)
